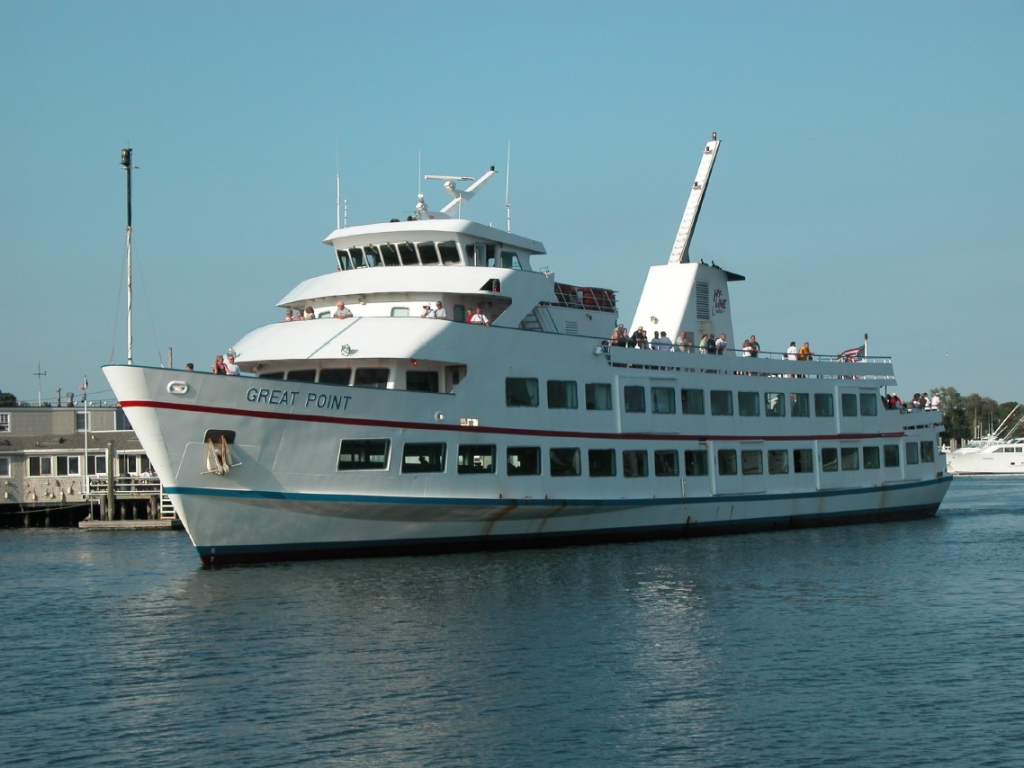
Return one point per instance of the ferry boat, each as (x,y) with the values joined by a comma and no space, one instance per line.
(994,454)
(388,430)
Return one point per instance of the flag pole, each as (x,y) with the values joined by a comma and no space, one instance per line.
(85,431)
(865,346)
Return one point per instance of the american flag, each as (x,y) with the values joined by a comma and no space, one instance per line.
(85,385)
(853,354)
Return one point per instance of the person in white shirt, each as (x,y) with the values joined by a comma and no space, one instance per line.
(342,312)
(439,312)
(479,317)
(231,366)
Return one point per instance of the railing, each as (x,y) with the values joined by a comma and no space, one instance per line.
(126,485)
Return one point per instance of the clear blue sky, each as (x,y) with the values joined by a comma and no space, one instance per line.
(871,176)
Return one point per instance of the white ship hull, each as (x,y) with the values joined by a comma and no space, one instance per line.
(284,499)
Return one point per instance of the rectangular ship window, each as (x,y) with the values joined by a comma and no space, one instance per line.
(869,403)
(800,404)
(522,460)
(872,457)
(927,452)
(422,381)
(634,399)
(371,377)
(364,454)
(913,456)
(824,405)
(666,463)
(778,462)
(565,462)
(753,462)
(522,393)
(721,402)
(602,462)
(727,461)
(562,394)
(599,397)
(423,457)
(692,402)
(850,459)
(476,459)
(849,404)
(803,460)
(774,404)
(663,400)
(634,463)
(829,460)
(891,454)
(748,404)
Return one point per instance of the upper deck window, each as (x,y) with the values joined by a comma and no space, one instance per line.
(428,253)
(449,251)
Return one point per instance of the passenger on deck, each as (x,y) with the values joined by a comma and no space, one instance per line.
(791,351)
(754,346)
(619,337)
(639,338)
(721,345)
(308,314)
(705,344)
(427,312)
(661,342)
(478,317)
(288,316)
(232,367)
(219,366)
(804,353)
(342,312)
(748,351)
(439,311)
(683,344)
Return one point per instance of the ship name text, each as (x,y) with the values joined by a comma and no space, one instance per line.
(291,397)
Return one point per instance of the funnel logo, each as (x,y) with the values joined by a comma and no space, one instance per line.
(718,305)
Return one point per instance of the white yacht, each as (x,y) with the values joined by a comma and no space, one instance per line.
(389,432)
(995,454)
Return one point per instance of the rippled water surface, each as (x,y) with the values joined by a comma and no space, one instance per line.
(881,645)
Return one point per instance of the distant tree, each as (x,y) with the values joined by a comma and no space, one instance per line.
(973,416)
(7,400)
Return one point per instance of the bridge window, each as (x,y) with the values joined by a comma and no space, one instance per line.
(428,253)
(372,377)
(421,381)
(338,376)
(449,251)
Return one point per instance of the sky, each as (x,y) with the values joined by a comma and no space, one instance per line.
(870,178)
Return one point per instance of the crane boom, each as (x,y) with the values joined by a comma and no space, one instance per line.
(681,248)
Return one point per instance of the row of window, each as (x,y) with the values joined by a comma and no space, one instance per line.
(426,253)
(420,458)
(525,393)
(70,466)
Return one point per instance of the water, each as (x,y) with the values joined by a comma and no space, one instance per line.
(881,645)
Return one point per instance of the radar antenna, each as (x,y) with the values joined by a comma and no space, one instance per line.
(460,195)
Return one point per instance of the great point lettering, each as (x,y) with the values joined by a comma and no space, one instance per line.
(292,397)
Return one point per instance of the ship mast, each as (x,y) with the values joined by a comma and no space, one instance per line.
(126,161)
